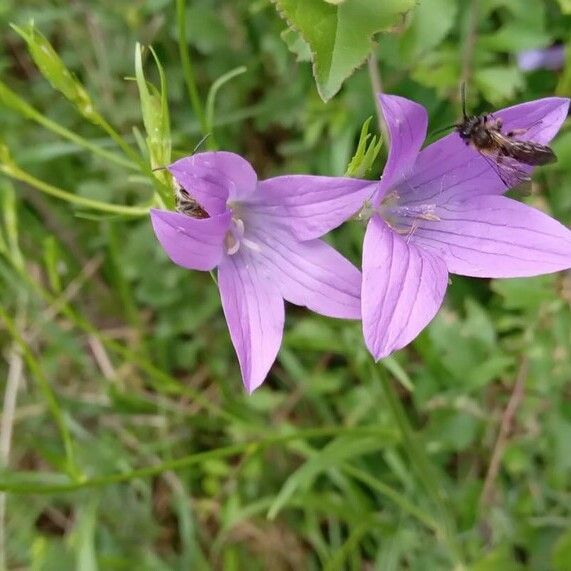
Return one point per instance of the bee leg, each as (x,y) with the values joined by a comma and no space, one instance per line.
(494,123)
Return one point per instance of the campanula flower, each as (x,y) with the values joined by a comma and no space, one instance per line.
(442,210)
(546,58)
(262,237)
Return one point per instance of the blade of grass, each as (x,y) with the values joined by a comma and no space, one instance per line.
(423,467)
(211,100)
(15,482)
(187,69)
(13,101)
(46,390)
(13,171)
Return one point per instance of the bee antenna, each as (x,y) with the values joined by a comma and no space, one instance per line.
(159,169)
(463,97)
(200,143)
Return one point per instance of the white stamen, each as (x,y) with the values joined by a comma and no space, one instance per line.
(251,245)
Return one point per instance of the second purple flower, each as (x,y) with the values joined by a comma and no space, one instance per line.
(441,211)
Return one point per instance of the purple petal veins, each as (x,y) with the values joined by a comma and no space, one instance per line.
(440,210)
(255,236)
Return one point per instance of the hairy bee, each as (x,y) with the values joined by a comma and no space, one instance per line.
(503,151)
(185,204)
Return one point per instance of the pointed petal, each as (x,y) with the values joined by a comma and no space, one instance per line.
(449,170)
(403,288)
(193,243)
(496,237)
(214,178)
(312,274)
(407,122)
(310,206)
(254,311)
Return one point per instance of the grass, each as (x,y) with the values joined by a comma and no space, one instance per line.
(126,439)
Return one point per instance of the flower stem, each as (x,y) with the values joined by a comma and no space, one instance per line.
(187,66)
(48,483)
(16,173)
(11,100)
(423,467)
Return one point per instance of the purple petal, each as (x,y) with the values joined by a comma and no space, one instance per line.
(403,288)
(548,58)
(310,206)
(214,178)
(312,274)
(254,311)
(496,237)
(193,243)
(407,122)
(449,170)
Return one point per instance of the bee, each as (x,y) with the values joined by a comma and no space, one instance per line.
(507,155)
(185,204)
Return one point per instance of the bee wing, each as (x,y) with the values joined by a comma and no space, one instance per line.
(508,171)
(527,152)
(532,153)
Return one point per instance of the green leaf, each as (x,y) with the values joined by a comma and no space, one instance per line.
(340,35)
(565,6)
(499,83)
(562,552)
(367,151)
(296,45)
(55,71)
(155,111)
(332,455)
(430,25)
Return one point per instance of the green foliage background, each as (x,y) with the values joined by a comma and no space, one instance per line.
(134,445)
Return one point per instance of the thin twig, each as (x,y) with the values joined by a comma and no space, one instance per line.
(505,428)
(187,69)
(377,87)
(102,357)
(13,381)
(470,42)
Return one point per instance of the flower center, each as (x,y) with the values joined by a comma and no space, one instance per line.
(402,218)
(236,236)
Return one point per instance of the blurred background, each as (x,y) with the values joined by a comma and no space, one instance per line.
(126,439)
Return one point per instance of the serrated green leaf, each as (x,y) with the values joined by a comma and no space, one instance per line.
(296,45)
(340,35)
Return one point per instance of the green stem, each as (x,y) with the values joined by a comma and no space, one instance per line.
(423,467)
(211,100)
(18,174)
(393,495)
(44,385)
(122,143)
(13,101)
(160,380)
(187,66)
(190,460)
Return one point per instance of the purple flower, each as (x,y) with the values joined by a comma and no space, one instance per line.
(252,235)
(546,58)
(441,210)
